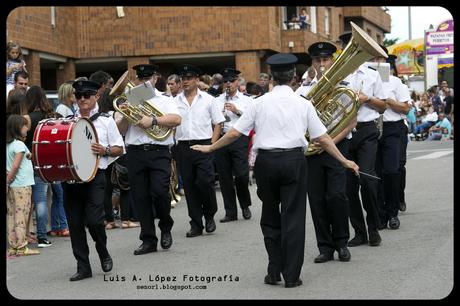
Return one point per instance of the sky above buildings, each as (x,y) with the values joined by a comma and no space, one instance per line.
(421,17)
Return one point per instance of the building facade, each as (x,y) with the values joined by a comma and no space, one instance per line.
(61,43)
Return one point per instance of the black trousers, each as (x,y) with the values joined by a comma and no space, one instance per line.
(83,204)
(387,168)
(149,175)
(402,163)
(198,176)
(232,160)
(327,195)
(127,209)
(108,194)
(363,150)
(281,180)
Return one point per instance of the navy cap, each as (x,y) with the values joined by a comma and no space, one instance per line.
(321,48)
(85,86)
(282,61)
(189,70)
(145,70)
(391,58)
(345,37)
(229,73)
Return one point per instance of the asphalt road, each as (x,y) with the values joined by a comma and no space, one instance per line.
(414,262)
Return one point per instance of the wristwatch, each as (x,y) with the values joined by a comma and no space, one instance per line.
(107,151)
(154,120)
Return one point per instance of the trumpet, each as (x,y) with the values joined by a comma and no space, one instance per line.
(134,113)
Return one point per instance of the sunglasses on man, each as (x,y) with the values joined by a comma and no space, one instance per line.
(85,94)
(231,80)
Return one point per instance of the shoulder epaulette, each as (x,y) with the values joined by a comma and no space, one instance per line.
(246,94)
(105,115)
(259,96)
(344,83)
(372,68)
(166,94)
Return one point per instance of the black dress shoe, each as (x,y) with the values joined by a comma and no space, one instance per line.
(293,284)
(402,206)
(210,225)
(394,223)
(357,240)
(344,254)
(193,233)
(271,279)
(107,264)
(247,213)
(324,257)
(374,238)
(227,219)
(144,249)
(80,275)
(166,240)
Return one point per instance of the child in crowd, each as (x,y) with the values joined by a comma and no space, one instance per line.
(14,62)
(19,179)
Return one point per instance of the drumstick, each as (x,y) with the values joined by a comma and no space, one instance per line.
(366,174)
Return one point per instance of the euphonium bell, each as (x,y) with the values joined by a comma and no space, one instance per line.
(134,113)
(337,105)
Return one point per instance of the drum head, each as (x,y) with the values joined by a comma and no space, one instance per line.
(85,162)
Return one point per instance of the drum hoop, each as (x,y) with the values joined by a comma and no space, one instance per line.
(35,151)
(69,152)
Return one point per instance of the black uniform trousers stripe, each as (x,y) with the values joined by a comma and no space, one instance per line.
(387,168)
(327,196)
(402,162)
(363,150)
(232,160)
(84,205)
(149,177)
(198,177)
(281,180)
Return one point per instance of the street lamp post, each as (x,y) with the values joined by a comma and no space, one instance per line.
(410,23)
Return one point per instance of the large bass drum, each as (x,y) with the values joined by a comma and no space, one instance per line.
(61,150)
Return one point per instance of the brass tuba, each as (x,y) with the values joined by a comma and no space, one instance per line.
(337,105)
(134,113)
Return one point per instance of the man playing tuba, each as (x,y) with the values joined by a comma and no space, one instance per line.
(327,177)
(149,164)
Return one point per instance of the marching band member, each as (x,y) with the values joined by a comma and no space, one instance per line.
(232,160)
(363,149)
(389,147)
(327,178)
(280,119)
(83,203)
(149,164)
(200,114)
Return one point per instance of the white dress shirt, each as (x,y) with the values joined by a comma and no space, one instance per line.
(280,119)
(166,105)
(107,133)
(303,90)
(367,81)
(197,118)
(241,102)
(397,91)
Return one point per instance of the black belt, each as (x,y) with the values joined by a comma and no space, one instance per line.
(395,123)
(194,142)
(148,147)
(363,124)
(280,150)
